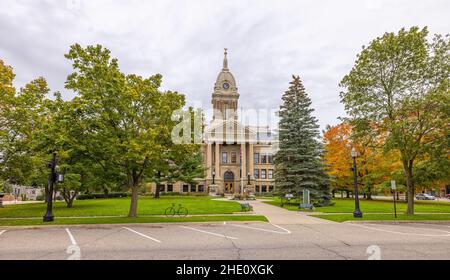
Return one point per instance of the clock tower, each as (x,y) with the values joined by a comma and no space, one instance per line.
(225,97)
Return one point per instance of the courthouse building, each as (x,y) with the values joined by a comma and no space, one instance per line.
(237,158)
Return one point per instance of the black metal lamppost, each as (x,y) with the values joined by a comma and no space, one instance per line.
(51,182)
(357,213)
(1,199)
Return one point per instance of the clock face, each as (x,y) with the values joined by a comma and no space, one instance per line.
(226,86)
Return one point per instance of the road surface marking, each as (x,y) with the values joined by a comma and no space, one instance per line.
(207,232)
(143,235)
(285,231)
(72,239)
(73,250)
(2,232)
(405,233)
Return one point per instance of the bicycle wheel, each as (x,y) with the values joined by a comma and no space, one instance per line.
(183,212)
(170,212)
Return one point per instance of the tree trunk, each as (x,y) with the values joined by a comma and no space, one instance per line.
(157,192)
(369,194)
(348,194)
(70,203)
(134,202)
(408,166)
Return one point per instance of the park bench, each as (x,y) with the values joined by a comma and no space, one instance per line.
(246,207)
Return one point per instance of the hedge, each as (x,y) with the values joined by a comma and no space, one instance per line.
(102,195)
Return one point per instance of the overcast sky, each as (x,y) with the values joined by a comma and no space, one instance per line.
(268,41)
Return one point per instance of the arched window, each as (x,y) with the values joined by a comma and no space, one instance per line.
(229,176)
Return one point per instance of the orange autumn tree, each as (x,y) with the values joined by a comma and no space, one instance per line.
(374,166)
(337,156)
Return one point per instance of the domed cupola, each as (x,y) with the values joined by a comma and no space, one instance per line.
(225,81)
(225,97)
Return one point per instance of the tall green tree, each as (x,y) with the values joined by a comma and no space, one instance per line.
(23,114)
(122,121)
(298,162)
(398,92)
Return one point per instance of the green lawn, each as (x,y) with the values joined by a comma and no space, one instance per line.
(120,207)
(374,206)
(125,220)
(385,217)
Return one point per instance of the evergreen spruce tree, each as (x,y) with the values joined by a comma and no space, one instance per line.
(298,162)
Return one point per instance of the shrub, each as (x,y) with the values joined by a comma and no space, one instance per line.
(102,195)
(245,196)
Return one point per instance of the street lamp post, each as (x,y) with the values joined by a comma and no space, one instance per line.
(51,182)
(1,199)
(357,213)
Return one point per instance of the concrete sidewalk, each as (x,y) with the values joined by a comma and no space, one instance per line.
(280,216)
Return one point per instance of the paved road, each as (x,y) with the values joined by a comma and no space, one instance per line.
(235,241)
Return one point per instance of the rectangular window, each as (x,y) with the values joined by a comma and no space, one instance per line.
(233,157)
(169,188)
(270,173)
(193,188)
(185,188)
(271,188)
(201,188)
(263,174)
(224,157)
(264,189)
(263,158)
(162,188)
(256,173)
(271,158)
(258,190)
(256,158)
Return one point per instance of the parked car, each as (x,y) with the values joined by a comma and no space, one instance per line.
(447,196)
(425,196)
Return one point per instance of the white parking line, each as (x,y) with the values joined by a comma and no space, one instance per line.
(285,231)
(2,232)
(73,250)
(72,239)
(143,235)
(211,233)
(405,233)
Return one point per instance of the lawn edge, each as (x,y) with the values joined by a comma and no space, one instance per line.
(127,224)
(261,217)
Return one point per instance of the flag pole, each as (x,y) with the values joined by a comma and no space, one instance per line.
(242,155)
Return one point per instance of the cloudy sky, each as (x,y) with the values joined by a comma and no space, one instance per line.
(268,41)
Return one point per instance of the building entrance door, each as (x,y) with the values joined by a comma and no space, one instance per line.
(229,182)
(229,188)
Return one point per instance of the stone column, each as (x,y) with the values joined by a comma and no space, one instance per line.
(217,161)
(209,160)
(251,159)
(244,162)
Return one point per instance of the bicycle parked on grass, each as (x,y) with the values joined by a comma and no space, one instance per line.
(176,210)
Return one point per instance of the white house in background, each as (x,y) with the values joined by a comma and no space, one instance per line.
(29,193)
